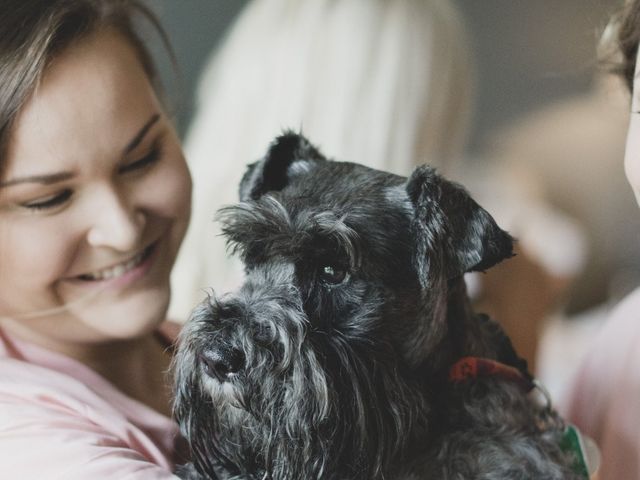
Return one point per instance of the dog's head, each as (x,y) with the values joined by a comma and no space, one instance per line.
(317,364)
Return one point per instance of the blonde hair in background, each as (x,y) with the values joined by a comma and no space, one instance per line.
(385,83)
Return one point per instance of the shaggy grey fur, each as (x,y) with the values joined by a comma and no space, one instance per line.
(331,361)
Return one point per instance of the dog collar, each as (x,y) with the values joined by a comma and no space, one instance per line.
(468,368)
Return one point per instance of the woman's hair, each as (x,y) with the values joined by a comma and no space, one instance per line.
(619,45)
(385,83)
(34,32)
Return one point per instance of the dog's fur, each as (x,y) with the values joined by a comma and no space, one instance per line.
(331,361)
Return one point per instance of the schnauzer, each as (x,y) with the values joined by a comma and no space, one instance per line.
(351,350)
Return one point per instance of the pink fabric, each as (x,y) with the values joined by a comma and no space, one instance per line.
(61,420)
(604,400)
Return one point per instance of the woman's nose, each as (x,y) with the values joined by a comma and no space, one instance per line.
(116,224)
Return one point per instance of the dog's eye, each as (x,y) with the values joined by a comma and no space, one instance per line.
(332,274)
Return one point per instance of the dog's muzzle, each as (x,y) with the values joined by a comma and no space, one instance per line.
(222,362)
(220,356)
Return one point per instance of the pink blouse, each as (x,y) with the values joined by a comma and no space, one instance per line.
(604,400)
(61,420)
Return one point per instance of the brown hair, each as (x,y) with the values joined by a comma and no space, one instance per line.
(622,42)
(33,32)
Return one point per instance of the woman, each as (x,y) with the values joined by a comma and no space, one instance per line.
(605,398)
(94,203)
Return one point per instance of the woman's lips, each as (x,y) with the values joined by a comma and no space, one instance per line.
(123,272)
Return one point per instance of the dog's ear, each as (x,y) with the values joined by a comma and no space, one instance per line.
(453,233)
(289,155)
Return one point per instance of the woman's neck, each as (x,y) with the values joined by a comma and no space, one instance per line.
(138,367)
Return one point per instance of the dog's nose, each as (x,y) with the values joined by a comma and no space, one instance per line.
(222,363)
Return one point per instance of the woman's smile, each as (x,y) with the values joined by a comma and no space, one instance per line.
(120,274)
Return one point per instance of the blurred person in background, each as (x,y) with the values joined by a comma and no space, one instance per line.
(386,83)
(604,399)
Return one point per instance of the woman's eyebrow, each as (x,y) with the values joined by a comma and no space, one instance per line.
(42,179)
(48,179)
(141,134)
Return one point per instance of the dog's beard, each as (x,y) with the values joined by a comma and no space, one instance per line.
(314,406)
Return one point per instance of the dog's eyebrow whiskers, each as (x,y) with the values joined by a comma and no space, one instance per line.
(247,225)
(329,225)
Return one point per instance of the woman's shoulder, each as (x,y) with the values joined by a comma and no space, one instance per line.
(619,336)
(605,392)
(605,367)
(48,431)
(626,312)
(53,423)
(40,392)
(620,333)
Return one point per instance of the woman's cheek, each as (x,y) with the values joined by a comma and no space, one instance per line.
(177,185)
(53,254)
(632,155)
(41,253)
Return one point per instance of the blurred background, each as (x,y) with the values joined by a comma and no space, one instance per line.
(527,54)
(543,153)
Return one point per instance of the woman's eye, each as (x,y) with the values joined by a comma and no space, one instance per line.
(143,162)
(49,202)
(332,274)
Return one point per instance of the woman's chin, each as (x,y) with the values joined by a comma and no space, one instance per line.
(127,318)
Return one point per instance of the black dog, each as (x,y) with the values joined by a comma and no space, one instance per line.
(351,351)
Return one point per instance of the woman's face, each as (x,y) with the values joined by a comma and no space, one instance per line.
(94,201)
(632,152)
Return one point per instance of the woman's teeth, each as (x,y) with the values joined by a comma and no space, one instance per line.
(116,271)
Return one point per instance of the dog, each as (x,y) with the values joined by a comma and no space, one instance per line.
(351,352)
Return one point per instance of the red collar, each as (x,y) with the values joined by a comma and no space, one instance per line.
(473,367)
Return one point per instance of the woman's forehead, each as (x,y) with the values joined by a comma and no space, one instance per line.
(90,100)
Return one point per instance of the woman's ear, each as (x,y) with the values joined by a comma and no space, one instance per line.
(289,155)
